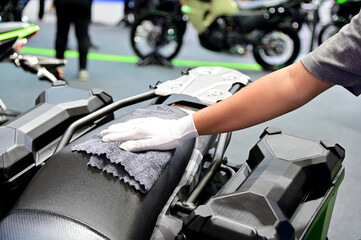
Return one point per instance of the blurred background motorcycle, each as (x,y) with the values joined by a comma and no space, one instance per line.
(341,13)
(267,29)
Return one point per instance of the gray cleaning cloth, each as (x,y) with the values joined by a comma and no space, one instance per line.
(139,170)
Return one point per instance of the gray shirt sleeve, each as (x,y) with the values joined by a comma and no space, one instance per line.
(338,60)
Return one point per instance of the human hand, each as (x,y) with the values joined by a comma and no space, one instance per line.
(150,133)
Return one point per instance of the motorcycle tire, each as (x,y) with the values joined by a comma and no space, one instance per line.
(273,44)
(157,34)
(328,31)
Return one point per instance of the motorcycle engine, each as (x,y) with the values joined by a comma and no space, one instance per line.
(214,37)
(224,35)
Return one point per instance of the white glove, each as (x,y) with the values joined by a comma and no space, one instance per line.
(151,133)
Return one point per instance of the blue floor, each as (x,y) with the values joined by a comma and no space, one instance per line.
(334,115)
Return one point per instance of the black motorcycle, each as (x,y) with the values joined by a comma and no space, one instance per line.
(268,30)
(29,138)
(13,36)
(50,190)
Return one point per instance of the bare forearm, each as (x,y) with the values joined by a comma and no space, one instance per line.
(268,97)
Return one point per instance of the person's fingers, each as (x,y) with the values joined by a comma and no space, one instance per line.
(119,137)
(137,145)
(148,144)
(122,127)
(106,131)
(150,133)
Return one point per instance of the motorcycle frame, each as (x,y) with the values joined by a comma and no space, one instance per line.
(201,14)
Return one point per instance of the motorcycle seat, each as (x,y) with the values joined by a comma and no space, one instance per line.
(69,200)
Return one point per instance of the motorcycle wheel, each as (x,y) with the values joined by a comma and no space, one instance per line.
(328,31)
(156,34)
(277,48)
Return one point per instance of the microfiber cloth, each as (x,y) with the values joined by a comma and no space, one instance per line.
(139,170)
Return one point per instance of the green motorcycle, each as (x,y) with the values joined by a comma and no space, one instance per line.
(13,36)
(227,26)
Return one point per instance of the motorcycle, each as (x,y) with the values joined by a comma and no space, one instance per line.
(134,9)
(13,36)
(30,138)
(286,189)
(229,26)
(341,14)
